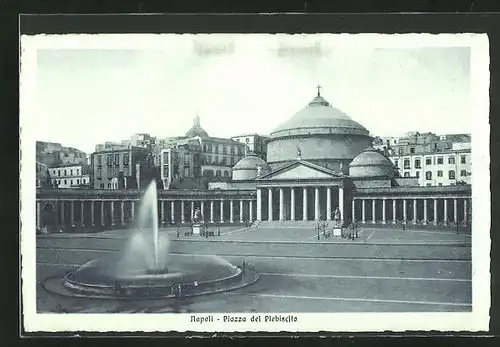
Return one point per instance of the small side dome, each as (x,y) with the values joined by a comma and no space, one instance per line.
(248,168)
(371,163)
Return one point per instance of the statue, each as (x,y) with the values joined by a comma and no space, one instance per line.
(299,152)
(197,216)
(336,214)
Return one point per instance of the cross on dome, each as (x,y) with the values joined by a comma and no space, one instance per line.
(319,90)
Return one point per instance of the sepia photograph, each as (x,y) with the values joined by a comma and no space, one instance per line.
(255,182)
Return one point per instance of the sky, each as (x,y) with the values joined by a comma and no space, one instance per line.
(89,95)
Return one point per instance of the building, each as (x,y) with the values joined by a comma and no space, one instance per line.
(322,134)
(256,145)
(434,160)
(117,163)
(42,176)
(74,176)
(180,162)
(320,165)
(54,154)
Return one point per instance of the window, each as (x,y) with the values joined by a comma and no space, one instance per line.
(71,172)
(186,172)
(247,140)
(407,163)
(428,161)
(65,172)
(407,174)
(109,159)
(226,173)
(71,182)
(218,173)
(78,181)
(78,172)
(59,173)
(126,159)
(417,164)
(165,170)
(396,163)
(204,148)
(224,161)
(400,150)
(99,160)
(440,173)
(451,174)
(65,182)
(232,150)
(117,160)
(232,161)
(102,186)
(216,149)
(451,160)
(224,150)
(417,174)
(428,175)
(440,161)
(412,150)
(109,185)
(462,159)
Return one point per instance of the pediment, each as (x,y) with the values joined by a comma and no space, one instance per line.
(300,171)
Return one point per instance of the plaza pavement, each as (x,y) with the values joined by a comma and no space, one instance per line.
(385,270)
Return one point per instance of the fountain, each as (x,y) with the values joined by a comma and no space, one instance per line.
(146,269)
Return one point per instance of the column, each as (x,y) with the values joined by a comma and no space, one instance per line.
(304,203)
(102,212)
(363,211)
(270,204)
(112,203)
(465,211)
(435,211)
(122,212)
(455,217)
(259,204)
(62,212)
(374,220)
(353,210)
(38,215)
(383,211)
(92,212)
(132,210)
(250,211)
(202,208)
(211,211)
(292,203)
(172,211)
(341,204)
(328,203)
(282,205)
(445,212)
(163,212)
(241,210)
(405,218)
(72,213)
(231,212)
(222,211)
(425,211)
(82,216)
(182,211)
(415,217)
(316,203)
(394,216)
(192,210)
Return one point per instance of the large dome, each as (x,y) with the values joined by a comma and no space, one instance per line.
(249,168)
(319,117)
(318,133)
(371,163)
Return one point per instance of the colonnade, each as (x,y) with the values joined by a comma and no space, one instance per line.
(424,210)
(293,203)
(95,212)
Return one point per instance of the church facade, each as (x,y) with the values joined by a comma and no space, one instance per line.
(320,166)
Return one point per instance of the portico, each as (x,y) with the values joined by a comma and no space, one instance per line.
(300,191)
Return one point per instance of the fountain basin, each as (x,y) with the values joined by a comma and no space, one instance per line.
(197,275)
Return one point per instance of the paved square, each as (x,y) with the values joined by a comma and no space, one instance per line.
(384,270)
